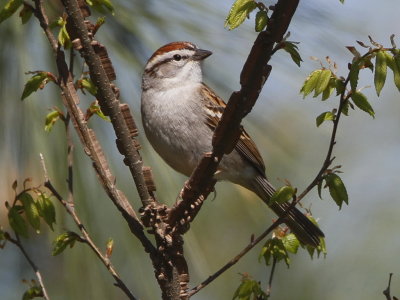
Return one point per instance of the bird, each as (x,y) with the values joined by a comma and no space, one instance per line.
(179,115)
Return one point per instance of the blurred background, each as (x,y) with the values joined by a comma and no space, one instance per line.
(362,238)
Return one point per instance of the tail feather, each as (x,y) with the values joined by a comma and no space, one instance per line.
(306,231)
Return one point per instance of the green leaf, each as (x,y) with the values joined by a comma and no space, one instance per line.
(329,89)
(337,189)
(291,243)
(25,14)
(341,1)
(37,81)
(310,83)
(282,195)
(95,109)
(17,222)
(9,9)
(396,70)
(354,72)
(274,248)
(248,288)
(261,20)
(320,190)
(325,116)
(33,292)
(362,103)
(46,209)
(51,118)
(102,6)
(292,49)
(345,108)
(239,12)
(30,209)
(323,81)
(88,85)
(380,71)
(62,241)
(63,36)
(339,85)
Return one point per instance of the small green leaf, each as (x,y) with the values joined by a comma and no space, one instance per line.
(9,9)
(62,241)
(292,49)
(339,85)
(239,12)
(17,222)
(102,6)
(282,195)
(63,37)
(362,103)
(291,243)
(25,14)
(248,288)
(37,81)
(354,72)
(329,89)
(341,1)
(310,83)
(33,292)
(345,108)
(46,209)
(325,116)
(323,81)
(320,190)
(337,189)
(51,119)
(380,71)
(30,209)
(396,70)
(261,20)
(95,109)
(274,248)
(88,85)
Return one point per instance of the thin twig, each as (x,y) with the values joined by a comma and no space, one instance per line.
(17,243)
(234,260)
(70,159)
(271,275)
(386,292)
(87,239)
(41,15)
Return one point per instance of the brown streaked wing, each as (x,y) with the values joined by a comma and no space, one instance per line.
(245,146)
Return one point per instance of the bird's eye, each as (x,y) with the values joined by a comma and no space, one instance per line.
(177,57)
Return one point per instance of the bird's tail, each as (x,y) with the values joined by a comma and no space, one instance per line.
(306,231)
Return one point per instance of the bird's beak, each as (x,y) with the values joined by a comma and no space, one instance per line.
(201,54)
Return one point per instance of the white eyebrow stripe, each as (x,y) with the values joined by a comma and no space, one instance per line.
(167,56)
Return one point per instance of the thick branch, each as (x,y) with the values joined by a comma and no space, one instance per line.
(255,72)
(108,102)
(89,141)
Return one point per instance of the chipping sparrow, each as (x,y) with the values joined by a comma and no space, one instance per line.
(180,113)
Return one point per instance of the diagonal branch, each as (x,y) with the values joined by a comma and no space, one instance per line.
(254,74)
(234,260)
(108,101)
(69,207)
(88,139)
(17,243)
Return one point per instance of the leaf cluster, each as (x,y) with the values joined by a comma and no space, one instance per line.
(27,210)
(249,289)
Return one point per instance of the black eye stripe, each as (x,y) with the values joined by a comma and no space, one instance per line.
(155,66)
